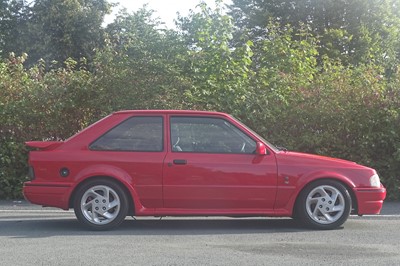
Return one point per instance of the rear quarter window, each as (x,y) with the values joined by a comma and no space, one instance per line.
(133,134)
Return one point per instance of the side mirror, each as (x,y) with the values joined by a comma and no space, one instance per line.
(261,149)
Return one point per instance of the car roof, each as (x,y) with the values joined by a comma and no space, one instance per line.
(179,112)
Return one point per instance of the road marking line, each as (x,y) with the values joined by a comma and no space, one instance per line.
(71,211)
(378,215)
(39,211)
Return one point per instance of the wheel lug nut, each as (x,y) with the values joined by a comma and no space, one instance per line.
(320,206)
(327,209)
(330,202)
(104,201)
(104,208)
(97,201)
(97,208)
(323,199)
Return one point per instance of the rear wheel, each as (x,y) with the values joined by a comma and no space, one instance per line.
(324,204)
(101,204)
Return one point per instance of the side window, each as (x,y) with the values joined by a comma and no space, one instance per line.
(208,135)
(134,134)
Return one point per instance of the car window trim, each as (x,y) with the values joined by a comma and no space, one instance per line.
(131,117)
(213,117)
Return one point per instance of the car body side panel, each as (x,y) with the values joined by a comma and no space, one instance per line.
(219,181)
(215,181)
(142,171)
(290,186)
(208,184)
(296,171)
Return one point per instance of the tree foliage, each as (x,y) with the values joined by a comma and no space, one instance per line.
(13,24)
(218,73)
(313,76)
(53,30)
(356,31)
(66,28)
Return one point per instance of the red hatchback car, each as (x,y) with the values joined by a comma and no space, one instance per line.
(193,163)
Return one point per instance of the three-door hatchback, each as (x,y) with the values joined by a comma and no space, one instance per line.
(181,163)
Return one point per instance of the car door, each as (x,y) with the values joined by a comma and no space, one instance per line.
(211,164)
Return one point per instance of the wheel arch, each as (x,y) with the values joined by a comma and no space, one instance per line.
(129,191)
(348,185)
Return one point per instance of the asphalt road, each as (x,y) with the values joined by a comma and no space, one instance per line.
(32,235)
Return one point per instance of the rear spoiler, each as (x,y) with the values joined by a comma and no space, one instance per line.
(44,145)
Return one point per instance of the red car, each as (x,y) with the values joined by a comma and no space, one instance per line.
(193,163)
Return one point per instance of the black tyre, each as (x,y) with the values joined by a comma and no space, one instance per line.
(101,204)
(324,204)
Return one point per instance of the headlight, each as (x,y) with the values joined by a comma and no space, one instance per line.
(374,181)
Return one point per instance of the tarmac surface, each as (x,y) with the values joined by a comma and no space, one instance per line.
(31,234)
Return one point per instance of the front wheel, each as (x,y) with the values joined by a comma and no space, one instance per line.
(101,204)
(324,204)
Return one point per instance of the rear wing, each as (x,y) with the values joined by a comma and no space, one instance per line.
(44,145)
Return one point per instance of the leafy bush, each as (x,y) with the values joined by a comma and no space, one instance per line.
(36,105)
(278,84)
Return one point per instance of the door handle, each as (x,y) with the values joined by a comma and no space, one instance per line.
(178,161)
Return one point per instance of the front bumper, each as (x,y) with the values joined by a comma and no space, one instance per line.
(370,200)
(47,194)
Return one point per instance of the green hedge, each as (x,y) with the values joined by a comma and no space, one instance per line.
(276,86)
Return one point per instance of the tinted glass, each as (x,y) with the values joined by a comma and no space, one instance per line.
(208,135)
(134,134)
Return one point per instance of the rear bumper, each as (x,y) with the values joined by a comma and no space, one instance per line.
(370,200)
(47,194)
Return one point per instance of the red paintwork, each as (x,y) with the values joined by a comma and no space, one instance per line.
(208,184)
(261,149)
(43,145)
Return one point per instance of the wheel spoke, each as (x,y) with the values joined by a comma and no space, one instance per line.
(113,204)
(88,204)
(93,193)
(338,208)
(321,191)
(107,194)
(108,215)
(316,212)
(313,200)
(334,196)
(328,217)
(95,216)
